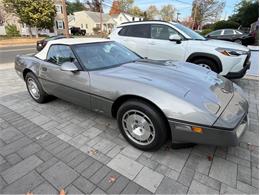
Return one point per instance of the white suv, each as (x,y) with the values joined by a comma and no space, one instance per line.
(160,40)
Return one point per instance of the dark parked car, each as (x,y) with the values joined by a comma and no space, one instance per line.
(233,35)
(41,44)
(77,31)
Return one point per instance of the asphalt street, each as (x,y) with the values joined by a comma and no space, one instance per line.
(7,54)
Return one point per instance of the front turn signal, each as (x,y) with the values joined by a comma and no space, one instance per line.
(197,129)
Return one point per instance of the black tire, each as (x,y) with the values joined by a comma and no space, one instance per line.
(44,97)
(211,63)
(160,126)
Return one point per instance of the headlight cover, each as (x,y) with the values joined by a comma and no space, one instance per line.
(231,52)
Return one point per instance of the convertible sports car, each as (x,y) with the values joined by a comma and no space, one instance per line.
(151,100)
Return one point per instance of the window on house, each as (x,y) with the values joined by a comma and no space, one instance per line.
(60,24)
(58,9)
(81,25)
(86,26)
(97,25)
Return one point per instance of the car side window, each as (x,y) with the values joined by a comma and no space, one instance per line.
(215,33)
(139,30)
(59,54)
(162,32)
(228,32)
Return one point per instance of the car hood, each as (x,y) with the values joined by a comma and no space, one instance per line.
(224,44)
(195,84)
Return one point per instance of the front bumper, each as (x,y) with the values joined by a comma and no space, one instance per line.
(210,135)
(242,72)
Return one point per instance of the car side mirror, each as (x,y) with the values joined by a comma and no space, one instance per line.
(69,66)
(175,38)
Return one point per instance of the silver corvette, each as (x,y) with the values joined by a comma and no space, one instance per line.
(152,100)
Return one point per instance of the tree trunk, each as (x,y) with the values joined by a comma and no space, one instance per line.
(30,31)
(36,33)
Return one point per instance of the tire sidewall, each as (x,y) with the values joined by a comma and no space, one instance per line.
(158,123)
(208,62)
(41,91)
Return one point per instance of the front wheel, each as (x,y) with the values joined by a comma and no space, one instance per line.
(206,63)
(142,125)
(35,89)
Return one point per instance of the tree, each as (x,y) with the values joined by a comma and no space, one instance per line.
(125,5)
(246,12)
(135,11)
(225,24)
(95,6)
(115,9)
(75,6)
(167,12)
(151,12)
(206,10)
(34,13)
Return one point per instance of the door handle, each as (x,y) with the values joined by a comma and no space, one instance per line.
(44,69)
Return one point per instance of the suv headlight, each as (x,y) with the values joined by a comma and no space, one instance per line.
(231,52)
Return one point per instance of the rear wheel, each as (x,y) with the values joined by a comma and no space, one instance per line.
(206,63)
(35,89)
(142,125)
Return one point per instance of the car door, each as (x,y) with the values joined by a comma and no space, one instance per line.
(135,37)
(67,85)
(228,35)
(161,48)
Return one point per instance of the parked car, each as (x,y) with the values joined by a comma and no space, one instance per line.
(151,100)
(77,31)
(161,40)
(41,44)
(232,35)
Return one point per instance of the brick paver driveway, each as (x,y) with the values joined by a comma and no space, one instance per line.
(45,147)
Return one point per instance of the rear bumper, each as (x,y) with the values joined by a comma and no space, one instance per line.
(210,135)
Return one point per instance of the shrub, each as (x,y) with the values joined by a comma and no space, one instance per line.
(225,24)
(206,31)
(11,31)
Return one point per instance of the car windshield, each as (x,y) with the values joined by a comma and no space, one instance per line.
(192,34)
(104,55)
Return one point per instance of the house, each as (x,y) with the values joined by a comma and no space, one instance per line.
(11,19)
(124,17)
(90,21)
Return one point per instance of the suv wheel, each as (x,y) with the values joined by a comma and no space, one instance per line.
(141,125)
(207,63)
(35,89)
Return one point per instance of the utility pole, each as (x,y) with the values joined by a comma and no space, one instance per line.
(101,19)
(66,25)
(178,13)
(195,14)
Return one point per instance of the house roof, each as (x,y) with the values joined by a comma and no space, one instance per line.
(95,16)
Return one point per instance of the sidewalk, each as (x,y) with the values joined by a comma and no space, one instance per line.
(18,42)
(33,160)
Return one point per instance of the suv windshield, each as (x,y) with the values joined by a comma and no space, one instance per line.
(104,55)
(192,34)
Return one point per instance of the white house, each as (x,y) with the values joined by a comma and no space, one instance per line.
(124,17)
(90,21)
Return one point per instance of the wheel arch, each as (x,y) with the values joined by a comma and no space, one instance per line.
(198,55)
(26,71)
(120,100)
